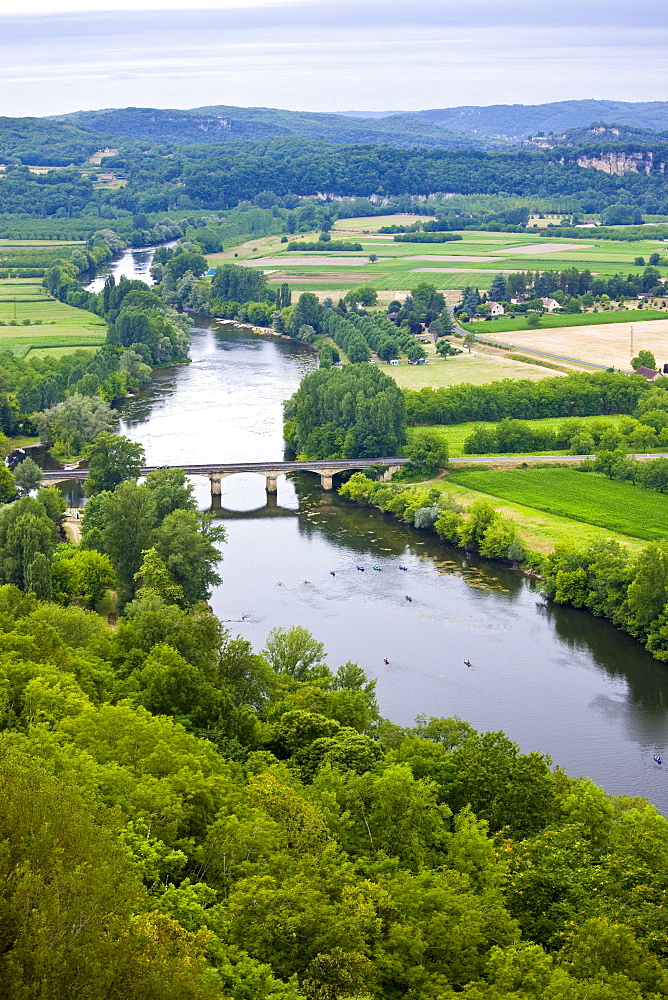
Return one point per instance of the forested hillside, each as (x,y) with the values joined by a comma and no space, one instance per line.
(223,123)
(522,120)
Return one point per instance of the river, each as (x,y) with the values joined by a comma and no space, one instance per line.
(553,679)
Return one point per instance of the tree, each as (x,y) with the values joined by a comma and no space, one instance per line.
(27,476)
(38,576)
(295,652)
(469,341)
(416,353)
(124,520)
(82,575)
(470,300)
(306,312)
(362,295)
(76,421)
(112,459)
(355,411)
(533,321)
(498,290)
(170,490)
(427,449)
(644,359)
(186,544)
(7,485)
(446,350)
(153,578)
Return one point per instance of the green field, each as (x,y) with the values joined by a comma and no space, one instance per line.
(401,267)
(488,328)
(456,434)
(464,368)
(588,497)
(52,324)
(59,352)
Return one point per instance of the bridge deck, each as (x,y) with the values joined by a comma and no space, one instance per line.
(337,465)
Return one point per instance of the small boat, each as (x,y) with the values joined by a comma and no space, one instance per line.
(658,760)
(386,661)
(332,573)
(378,569)
(467,663)
(361,569)
(408,598)
(404,569)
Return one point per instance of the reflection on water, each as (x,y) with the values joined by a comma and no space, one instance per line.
(555,679)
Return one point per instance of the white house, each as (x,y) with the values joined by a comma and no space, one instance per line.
(550,304)
(496,309)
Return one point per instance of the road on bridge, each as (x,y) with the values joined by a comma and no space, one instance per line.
(337,465)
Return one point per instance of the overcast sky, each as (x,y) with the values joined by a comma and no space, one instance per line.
(327,55)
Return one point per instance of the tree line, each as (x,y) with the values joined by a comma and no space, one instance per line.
(582,394)
(646,429)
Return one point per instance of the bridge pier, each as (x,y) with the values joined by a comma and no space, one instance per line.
(326,481)
(384,477)
(272,486)
(215,486)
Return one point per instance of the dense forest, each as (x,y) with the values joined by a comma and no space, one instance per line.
(168,177)
(185,817)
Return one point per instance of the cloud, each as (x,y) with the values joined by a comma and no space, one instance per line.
(323,54)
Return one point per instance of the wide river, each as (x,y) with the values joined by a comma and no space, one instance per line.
(554,679)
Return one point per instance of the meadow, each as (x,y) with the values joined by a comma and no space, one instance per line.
(31,319)
(582,496)
(474,368)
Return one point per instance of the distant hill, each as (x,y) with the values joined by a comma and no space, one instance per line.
(518,121)
(39,141)
(223,123)
(601,133)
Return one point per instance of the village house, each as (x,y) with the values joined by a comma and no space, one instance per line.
(550,304)
(648,373)
(496,309)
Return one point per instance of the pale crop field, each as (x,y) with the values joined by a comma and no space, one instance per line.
(603,344)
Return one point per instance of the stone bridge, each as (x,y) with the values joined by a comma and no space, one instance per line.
(326,469)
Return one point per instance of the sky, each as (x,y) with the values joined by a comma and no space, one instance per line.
(327,55)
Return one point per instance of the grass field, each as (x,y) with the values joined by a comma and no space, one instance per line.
(473,368)
(52,324)
(489,328)
(540,530)
(59,352)
(456,434)
(587,497)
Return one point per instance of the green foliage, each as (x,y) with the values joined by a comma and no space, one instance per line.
(27,476)
(427,450)
(353,412)
(112,459)
(644,359)
(581,394)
